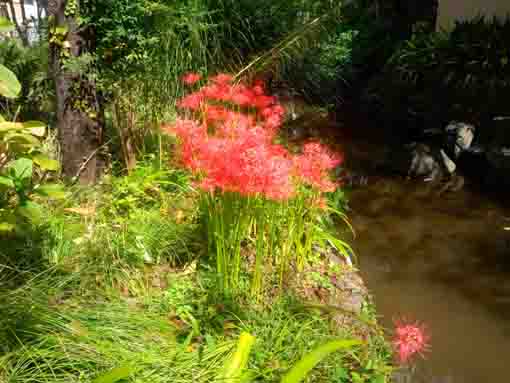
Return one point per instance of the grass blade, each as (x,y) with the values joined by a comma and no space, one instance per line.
(234,367)
(116,374)
(309,361)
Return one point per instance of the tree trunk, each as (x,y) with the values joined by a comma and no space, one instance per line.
(80,117)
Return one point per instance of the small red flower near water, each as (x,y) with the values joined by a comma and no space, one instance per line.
(410,340)
(191,78)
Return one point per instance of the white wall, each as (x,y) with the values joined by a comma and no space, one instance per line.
(450,10)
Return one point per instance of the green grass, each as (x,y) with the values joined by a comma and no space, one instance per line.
(178,334)
(91,339)
(120,286)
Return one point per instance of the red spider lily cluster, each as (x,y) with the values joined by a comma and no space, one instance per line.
(190,78)
(229,142)
(410,340)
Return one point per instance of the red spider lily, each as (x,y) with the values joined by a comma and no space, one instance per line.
(238,154)
(314,164)
(219,92)
(261,101)
(222,78)
(242,95)
(410,340)
(215,113)
(192,101)
(259,83)
(236,124)
(247,164)
(259,90)
(190,78)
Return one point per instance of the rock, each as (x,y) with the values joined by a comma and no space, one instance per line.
(333,284)
(447,162)
(436,159)
(426,163)
(461,136)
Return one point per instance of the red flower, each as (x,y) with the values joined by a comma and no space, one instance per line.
(410,340)
(259,86)
(222,79)
(190,78)
(234,151)
(242,95)
(261,101)
(314,164)
(192,101)
(215,113)
(220,92)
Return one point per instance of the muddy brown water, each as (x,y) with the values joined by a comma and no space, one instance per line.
(444,261)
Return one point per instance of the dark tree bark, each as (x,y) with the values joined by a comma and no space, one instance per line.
(80,117)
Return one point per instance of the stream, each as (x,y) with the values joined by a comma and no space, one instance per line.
(444,261)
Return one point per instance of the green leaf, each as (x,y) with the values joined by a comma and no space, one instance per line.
(5,25)
(10,87)
(20,142)
(37,128)
(6,227)
(52,190)
(378,379)
(6,181)
(21,168)
(7,126)
(46,163)
(62,30)
(116,374)
(31,211)
(233,370)
(309,361)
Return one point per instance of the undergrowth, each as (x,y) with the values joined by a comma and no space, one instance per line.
(177,334)
(114,285)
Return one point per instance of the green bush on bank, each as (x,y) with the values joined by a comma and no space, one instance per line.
(446,75)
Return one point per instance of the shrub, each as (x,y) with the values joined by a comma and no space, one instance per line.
(30,65)
(23,165)
(447,75)
(340,61)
